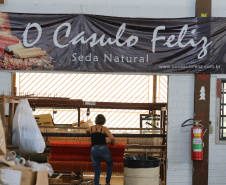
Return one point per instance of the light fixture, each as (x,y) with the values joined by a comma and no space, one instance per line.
(88,112)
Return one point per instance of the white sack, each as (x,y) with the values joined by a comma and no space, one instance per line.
(38,167)
(26,133)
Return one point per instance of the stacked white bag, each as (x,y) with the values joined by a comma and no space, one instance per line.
(26,133)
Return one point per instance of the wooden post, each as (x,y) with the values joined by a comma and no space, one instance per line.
(203,8)
(163,124)
(13,84)
(201,109)
(5,125)
(1,1)
(10,124)
(154,91)
(202,106)
(79,112)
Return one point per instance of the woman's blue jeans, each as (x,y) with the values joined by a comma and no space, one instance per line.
(99,152)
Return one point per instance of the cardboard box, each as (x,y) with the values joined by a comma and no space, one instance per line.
(44,120)
(2,139)
(28,177)
(42,178)
(8,176)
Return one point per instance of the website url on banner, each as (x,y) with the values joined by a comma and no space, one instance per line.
(165,67)
(188,66)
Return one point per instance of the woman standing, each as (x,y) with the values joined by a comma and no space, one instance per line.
(99,148)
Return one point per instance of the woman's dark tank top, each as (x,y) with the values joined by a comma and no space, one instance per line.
(98,138)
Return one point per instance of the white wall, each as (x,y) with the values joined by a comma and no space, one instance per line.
(180,108)
(5,86)
(217,152)
(5,82)
(125,8)
(218,8)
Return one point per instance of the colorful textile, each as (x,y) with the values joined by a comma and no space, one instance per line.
(75,156)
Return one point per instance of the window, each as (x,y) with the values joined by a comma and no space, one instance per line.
(94,87)
(222,134)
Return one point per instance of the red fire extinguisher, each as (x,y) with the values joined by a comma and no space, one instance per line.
(196,143)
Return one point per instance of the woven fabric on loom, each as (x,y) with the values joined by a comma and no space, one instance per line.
(84,139)
(75,156)
(79,157)
(83,166)
(74,148)
(61,147)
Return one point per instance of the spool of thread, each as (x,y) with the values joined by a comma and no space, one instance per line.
(17,160)
(11,156)
(22,161)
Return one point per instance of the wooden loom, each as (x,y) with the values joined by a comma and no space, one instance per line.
(75,156)
(133,144)
(143,142)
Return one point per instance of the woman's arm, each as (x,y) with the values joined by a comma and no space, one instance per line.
(88,131)
(109,134)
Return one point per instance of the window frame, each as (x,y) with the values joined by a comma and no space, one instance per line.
(221,111)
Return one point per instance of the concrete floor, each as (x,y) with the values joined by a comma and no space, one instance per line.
(115,180)
(118,180)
